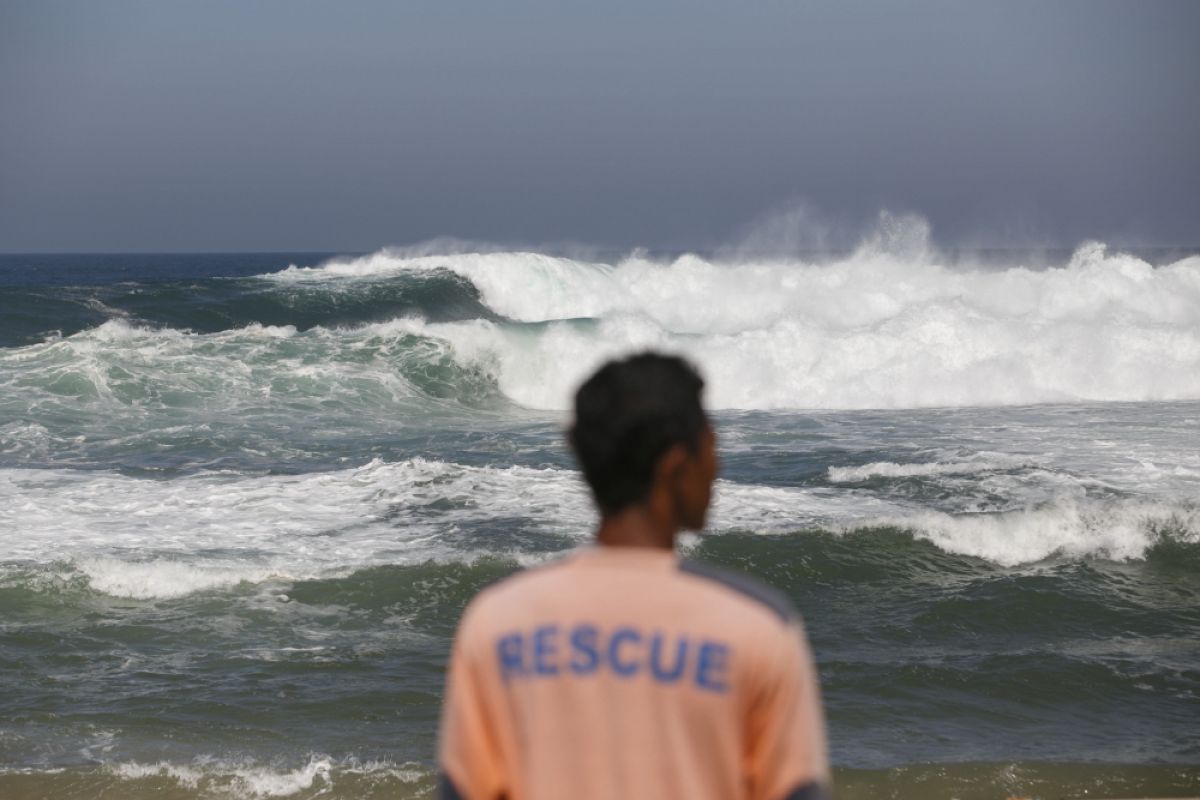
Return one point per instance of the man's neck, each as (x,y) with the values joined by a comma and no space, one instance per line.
(642,525)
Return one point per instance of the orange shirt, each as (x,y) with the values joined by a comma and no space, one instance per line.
(622,672)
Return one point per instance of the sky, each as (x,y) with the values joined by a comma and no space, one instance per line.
(164,126)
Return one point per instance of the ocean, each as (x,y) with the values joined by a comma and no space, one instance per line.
(244,499)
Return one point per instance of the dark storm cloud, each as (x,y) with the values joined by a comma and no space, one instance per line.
(294,125)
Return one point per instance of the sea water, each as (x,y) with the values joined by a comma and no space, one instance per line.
(244,499)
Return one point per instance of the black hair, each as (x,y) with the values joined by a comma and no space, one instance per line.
(627,415)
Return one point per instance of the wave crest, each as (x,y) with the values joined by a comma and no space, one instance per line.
(1066,528)
(214,531)
(886,327)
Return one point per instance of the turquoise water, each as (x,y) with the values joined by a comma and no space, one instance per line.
(244,498)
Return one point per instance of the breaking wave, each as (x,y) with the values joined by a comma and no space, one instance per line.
(1117,531)
(980,463)
(883,327)
(875,329)
(215,531)
(214,777)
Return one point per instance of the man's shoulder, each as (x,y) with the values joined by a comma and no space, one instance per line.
(738,584)
(552,587)
(509,595)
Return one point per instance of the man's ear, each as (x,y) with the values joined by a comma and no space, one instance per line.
(670,462)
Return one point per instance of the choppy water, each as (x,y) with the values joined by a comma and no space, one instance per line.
(243,500)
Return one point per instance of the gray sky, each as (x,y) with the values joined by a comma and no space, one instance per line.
(293,125)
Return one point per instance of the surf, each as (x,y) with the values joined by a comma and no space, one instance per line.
(874,329)
(884,327)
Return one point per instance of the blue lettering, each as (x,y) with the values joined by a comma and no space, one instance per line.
(661,673)
(627,651)
(712,667)
(585,656)
(621,635)
(510,649)
(544,649)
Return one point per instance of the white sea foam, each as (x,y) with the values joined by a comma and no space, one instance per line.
(249,780)
(24,439)
(163,577)
(878,329)
(991,462)
(152,538)
(1069,528)
(157,539)
(239,781)
(882,328)
(144,538)
(124,373)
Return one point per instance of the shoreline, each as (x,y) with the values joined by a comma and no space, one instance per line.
(325,778)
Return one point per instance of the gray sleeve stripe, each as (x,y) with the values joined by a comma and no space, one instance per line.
(446,788)
(809,791)
(742,584)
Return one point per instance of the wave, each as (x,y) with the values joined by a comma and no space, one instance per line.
(169,538)
(208,776)
(979,463)
(243,781)
(691,294)
(872,330)
(147,539)
(257,369)
(34,314)
(1067,528)
(334,779)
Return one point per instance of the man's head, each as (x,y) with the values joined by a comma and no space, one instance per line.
(640,431)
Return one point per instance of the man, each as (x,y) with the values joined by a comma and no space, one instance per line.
(621,671)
